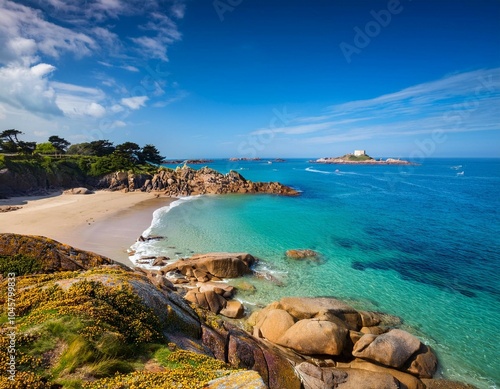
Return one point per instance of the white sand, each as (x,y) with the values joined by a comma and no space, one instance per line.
(106,222)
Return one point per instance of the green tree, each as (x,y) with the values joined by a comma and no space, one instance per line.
(80,149)
(59,143)
(9,141)
(101,148)
(128,150)
(26,147)
(150,153)
(45,148)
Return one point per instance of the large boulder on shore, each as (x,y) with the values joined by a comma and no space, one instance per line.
(424,363)
(393,348)
(274,324)
(313,336)
(221,265)
(314,307)
(407,381)
(315,377)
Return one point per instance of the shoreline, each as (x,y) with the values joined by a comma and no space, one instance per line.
(107,223)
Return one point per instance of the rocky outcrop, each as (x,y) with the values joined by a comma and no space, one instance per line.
(315,336)
(329,330)
(186,181)
(390,349)
(315,377)
(203,271)
(205,267)
(50,255)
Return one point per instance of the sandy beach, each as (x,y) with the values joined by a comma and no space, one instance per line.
(105,222)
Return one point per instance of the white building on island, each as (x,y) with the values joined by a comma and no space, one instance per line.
(359,153)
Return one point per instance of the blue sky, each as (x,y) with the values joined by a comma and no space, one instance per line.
(248,78)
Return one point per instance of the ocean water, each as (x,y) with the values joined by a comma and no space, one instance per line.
(420,242)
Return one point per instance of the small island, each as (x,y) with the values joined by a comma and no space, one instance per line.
(359,157)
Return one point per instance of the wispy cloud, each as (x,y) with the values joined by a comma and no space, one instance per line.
(75,100)
(134,102)
(67,30)
(464,102)
(24,33)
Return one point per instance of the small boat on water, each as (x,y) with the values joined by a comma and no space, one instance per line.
(460,173)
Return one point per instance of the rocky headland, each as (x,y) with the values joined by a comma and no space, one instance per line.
(86,321)
(182,181)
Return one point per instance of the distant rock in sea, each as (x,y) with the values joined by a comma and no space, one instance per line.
(360,158)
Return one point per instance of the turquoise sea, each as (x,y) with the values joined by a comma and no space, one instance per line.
(420,242)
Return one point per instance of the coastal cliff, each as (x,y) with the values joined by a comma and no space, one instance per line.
(93,323)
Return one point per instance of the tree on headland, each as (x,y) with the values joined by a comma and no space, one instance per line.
(45,148)
(150,153)
(59,143)
(101,148)
(128,150)
(9,141)
(79,149)
(98,148)
(26,147)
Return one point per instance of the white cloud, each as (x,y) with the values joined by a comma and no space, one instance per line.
(24,32)
(37,36)
(75,100)
(465,102)
(118,123)
(178,10)
(28,88)
(130,68)
(134,102)
(179,96)
(166,34)
(95,110)
(116,108)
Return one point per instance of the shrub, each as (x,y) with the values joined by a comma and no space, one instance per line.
(19,264)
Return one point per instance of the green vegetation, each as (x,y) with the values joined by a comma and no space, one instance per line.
(354,158)
(90,329)
(58,156)
(18,264)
